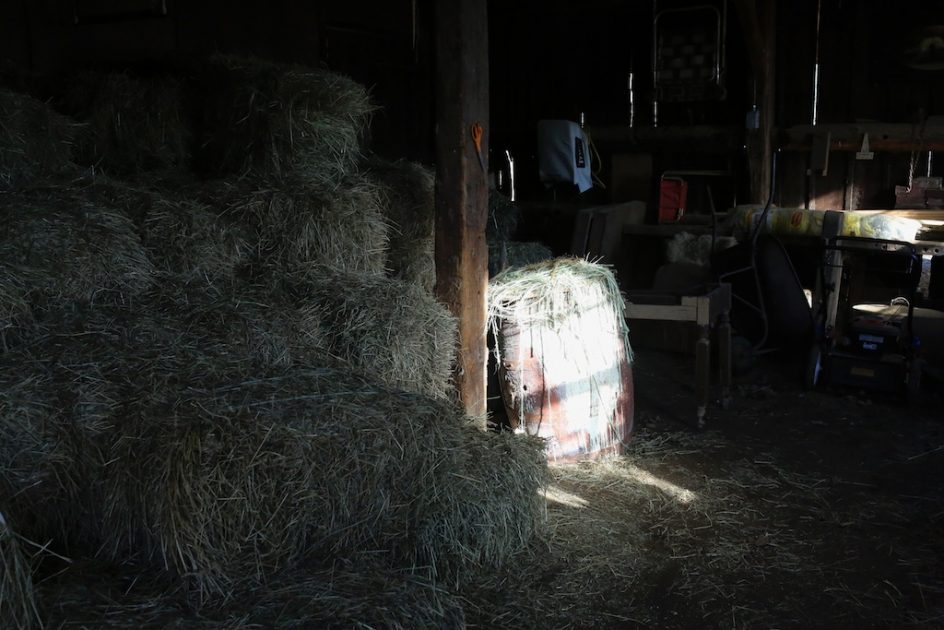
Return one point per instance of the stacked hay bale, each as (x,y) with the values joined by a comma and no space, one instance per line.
(503,252)
(35,141)
(17,599)
(137,128)
(221,395)
(409,205)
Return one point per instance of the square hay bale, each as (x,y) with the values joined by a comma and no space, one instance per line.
(409,205)
(94,594)
(229,483)
(299,223)
(383,327)
(68,249)
(35,141)
(138,128)
(17,598)
(274,120)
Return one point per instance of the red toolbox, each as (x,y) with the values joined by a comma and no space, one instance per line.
(673,195)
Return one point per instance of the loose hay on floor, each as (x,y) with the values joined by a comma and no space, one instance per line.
(18,609)
(35,141)
(273,119)
(137,126)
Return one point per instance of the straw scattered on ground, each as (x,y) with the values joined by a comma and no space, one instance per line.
(35,141)
(138,127)
(273,119)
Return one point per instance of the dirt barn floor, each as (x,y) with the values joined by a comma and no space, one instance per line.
(790,510)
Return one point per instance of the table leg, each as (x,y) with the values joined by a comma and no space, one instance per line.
(702,372)
(724,358)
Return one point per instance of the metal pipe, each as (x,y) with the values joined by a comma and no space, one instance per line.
(819,6)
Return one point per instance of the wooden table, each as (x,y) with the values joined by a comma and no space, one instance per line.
(707,307)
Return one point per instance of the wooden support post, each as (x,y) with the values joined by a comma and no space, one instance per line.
(757,22)
(462,188)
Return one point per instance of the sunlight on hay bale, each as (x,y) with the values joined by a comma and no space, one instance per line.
(136,126)
(70,249)
(341,596)
(409,205)
(297,223)
(564,316)
(17,599)
(385,328)
(35,141)
(274,119)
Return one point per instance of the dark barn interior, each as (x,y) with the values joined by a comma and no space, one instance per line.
(474,314)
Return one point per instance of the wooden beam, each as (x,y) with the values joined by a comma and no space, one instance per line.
(462,188)
(757,19)
(890,137)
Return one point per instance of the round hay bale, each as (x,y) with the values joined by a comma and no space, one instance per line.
(274,119)
(409,206)
(301,224)
(70,249)
(35,141)
(385,328)
(17,599)
(137,127)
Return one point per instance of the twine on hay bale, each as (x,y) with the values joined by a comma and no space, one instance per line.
(35,141)
(70,249)
(273,119)
(137,127)
(298,223)
(385,328)
(409,206)
(17,599)
(341,596)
